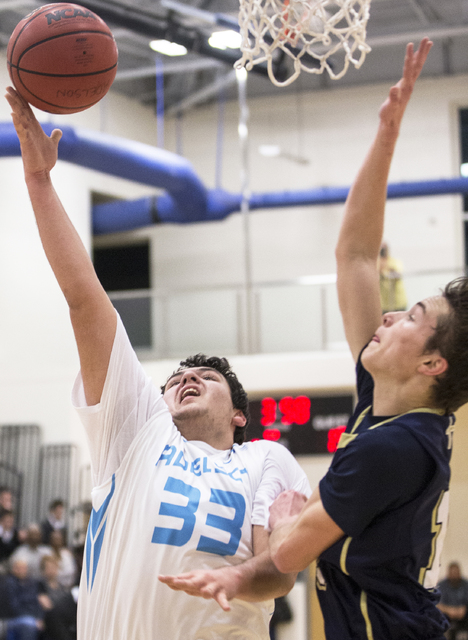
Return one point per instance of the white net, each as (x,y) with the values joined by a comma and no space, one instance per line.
(310,32)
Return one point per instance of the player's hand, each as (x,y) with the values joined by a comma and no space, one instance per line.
(219,584)
(39,151)
(392,110)
(286,508)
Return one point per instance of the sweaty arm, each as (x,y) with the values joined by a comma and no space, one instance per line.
(255,580)
(301,531)
(362,227)
(93,317)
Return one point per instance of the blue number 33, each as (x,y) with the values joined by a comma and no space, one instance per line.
(179,537)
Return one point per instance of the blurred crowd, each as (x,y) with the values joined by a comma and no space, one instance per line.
(39,574)
(454,602)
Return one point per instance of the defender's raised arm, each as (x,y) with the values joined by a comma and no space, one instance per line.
(362,228)
(92,314)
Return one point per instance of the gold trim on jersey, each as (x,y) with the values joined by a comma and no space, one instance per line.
(365,614)
(346,438)
(435,529)
(344,553)
(449,433)
(320,581)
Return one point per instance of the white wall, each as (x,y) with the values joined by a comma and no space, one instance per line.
(338,126)
(37,353)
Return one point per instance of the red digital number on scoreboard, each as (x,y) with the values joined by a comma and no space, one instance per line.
(292,410)
(268,412)
(334,436)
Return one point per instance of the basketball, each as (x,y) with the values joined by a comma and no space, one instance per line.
(62,58)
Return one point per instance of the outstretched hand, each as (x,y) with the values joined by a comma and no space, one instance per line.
(39,151)
(392,110)
(220,585)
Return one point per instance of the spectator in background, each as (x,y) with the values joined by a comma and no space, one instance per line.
(55,521)
(9,538)
(454,602)
(32,551)
(6,499)
(22,593)
(65,559)
(59,603)
(392,289)
(51,589)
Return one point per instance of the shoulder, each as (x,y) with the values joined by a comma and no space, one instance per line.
(278,466)
(267,450)
(384,449)
(430,429)
(390,436)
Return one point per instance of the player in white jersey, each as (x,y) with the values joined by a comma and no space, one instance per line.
(177,495)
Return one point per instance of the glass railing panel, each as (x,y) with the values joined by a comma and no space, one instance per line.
(202,321)
(289,318)
(136,316)
(334,330)
(423,285)
(294,316)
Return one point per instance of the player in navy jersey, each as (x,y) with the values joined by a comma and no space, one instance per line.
(377,520)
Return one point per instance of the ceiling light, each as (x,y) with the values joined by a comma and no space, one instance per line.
(241,74)
(225,39)
(464,169)
(168,48)
(269,150)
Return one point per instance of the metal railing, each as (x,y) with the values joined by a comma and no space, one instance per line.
(289,316)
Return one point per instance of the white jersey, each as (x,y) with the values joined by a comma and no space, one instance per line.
(165,505)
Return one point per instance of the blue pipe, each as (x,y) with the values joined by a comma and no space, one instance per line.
(185,199)
(126,215)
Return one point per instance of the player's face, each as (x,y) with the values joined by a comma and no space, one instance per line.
(200,396)
(397,349)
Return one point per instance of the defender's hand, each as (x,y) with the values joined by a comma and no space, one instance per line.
(286,508)
(392,110)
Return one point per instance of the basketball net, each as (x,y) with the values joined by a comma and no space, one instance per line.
(308,31)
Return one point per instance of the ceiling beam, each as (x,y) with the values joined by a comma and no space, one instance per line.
(169,68)
(206,93)
(433,32)
(154,26)
(419,11)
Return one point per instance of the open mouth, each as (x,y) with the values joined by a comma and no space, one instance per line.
(189,392)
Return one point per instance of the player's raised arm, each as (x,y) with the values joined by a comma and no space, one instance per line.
(92,314)
(362,228)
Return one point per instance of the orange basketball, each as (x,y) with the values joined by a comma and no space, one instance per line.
(62,58)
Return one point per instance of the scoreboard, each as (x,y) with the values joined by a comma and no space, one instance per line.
(305,424)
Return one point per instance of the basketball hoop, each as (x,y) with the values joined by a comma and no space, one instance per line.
(308,31)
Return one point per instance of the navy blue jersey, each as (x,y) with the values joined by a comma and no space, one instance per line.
(387,488)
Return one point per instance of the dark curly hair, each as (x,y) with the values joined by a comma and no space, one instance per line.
(450,390)
(238,394)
